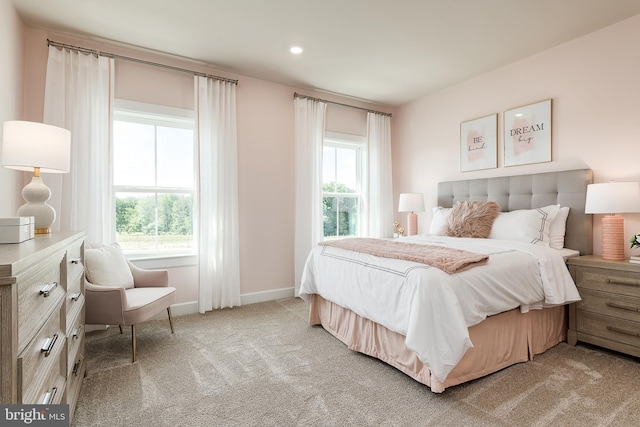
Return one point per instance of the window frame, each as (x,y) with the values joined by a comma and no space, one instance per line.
(359,144)
(156,115)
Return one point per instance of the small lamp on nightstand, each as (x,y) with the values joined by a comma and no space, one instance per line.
(412,203)
(610,198)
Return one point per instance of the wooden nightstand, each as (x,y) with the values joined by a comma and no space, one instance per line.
(609,313)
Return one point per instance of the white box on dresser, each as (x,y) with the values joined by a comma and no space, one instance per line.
(42,320)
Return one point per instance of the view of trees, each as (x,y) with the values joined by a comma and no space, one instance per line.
(340,213)
(137,215)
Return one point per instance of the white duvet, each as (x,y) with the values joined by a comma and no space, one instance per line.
(434,309)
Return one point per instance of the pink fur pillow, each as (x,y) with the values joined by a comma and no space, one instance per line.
(471,219)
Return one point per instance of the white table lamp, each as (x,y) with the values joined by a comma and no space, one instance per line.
(611,198)
(31,146)
(412,203)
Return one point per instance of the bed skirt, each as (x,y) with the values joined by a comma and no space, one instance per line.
(499,341)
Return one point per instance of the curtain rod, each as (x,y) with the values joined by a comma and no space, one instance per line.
(140,61)
(297,95)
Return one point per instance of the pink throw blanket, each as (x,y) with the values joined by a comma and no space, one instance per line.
(449,260)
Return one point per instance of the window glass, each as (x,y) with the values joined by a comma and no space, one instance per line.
(153,179)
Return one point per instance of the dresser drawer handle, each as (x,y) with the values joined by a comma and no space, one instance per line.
(46,290)
(622,331)
(629,282)
(75,297)
(76,332)
(48,345)
(76,367)
(48,396)
(76,261)
(623,307)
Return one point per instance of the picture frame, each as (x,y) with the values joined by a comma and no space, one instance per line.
(527,134)
(479,143)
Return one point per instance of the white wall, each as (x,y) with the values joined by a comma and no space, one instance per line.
(11,85)
(594,84)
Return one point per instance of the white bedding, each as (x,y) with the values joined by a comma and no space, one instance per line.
(431,308)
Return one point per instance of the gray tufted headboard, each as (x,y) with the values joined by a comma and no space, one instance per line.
(567,188)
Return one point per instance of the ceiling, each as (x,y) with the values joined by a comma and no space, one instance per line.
(388,52)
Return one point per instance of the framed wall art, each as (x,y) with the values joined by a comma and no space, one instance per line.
(527,134)
(479,143)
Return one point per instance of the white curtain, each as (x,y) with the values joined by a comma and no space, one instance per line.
(218,246)
(309,116)
(380,189)
(78,97)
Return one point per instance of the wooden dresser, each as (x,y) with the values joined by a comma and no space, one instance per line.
(609,313)
(42,320)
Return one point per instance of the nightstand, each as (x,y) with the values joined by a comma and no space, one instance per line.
(609,313)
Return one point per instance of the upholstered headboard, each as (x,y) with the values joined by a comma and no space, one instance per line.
(567,188)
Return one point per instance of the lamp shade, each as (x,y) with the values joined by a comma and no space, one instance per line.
(30,145)
(411,202)
(613,197)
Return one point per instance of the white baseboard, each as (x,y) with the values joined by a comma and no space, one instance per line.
(191,307)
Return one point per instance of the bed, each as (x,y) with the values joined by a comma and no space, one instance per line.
(476,341)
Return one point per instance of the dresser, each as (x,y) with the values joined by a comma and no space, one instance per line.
(609,313)
(42,320)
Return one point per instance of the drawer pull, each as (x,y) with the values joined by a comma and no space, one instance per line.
(623,307)
(76,332)
(622,331)
(48,345)
(46,290)
(76,367)
(75,261)
(75,297)
(48,396)
(629,282)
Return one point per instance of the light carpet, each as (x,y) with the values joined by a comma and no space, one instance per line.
(264,365)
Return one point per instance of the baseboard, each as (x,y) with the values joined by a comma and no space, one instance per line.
(191,307)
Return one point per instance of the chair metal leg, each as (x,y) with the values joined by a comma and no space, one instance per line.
(120,326)
(133,341)
(170,319)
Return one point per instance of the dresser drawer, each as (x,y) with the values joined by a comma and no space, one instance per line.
(43,360)
(609,328)
(40,292)
(614,305)
(612,281)
(75,338)
(74,306)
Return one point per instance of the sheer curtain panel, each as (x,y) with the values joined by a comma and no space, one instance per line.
(218,245)
(309,118)
(380,189)
(78,97)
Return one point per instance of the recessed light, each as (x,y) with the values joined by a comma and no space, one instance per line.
(296,50)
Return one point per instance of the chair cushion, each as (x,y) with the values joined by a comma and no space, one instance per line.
(144,303)
(107,266)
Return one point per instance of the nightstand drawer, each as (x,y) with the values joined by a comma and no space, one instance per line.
(607,280)
(614,305)
(609,328)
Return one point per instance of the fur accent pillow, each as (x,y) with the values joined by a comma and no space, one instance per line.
(471,219)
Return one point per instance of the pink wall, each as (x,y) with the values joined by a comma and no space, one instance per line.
(594,84)
(265,152)
(11,83)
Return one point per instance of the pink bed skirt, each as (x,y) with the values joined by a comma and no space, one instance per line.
(499,341)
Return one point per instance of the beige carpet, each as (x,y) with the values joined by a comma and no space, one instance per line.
(263,365)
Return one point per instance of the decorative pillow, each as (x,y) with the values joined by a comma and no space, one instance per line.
(558,228)
(107,266)
(525,225)
(439,220)
(471,219)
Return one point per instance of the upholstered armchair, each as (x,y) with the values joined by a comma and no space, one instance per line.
(119,293)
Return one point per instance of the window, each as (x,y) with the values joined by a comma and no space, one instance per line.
(342,185)
(153,178)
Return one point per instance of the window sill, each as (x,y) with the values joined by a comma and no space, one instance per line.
(163,261)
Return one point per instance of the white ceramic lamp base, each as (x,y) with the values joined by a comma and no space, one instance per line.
(36,193)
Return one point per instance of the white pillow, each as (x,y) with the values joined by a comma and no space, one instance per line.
(558,228)
(525,225)
(439,220)
(107,266)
